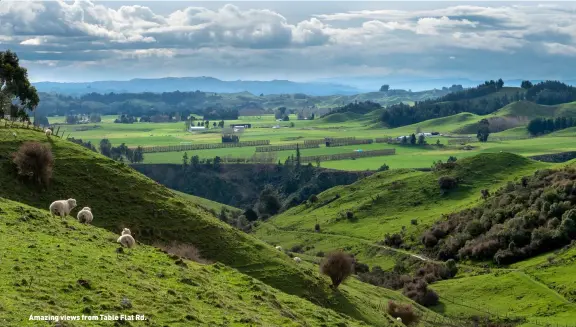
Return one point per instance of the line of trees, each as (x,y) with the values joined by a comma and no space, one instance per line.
(122,152)
(550,93)
(539,126)
(463,101)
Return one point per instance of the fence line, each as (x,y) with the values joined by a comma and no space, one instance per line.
(189,147)
(349,155)
(349,142)
(275,148)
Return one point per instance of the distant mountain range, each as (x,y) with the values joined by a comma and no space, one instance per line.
(205,84)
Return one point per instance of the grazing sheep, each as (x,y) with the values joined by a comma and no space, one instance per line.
(85,215)
(126,239)
(14,134)
(297,259)
(48,132)
(62,208)
(399,319)
(279,248)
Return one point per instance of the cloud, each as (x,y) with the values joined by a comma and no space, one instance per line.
(134,39)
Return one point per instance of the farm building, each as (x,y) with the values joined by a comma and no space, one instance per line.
(241,125)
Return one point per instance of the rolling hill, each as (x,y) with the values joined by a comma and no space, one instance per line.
(533,292)
(120,197)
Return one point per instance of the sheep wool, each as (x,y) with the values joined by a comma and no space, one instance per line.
(62,208)
(297,259)
(48,132)
(126,239)
(85,215)
(279,248)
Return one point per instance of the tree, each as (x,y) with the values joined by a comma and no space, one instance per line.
(106,148)
(298,162)
(286,118)
(35,161)
(221,124)
(269,202)
(185,159)
(338,266)
(483,131)
(384,88)
(526,85)
(214,124)
(95,118)
(421,139)
(14,84)
(384,167)
(412,139)
(499,84)
(317,162)
(217,162)
(41,120)
(195,161)
(250,214)
(138,155)
(404,140)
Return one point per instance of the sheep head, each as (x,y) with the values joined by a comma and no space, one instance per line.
(126,231)
(71,203)
(86,208)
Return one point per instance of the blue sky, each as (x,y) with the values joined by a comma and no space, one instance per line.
(302,40)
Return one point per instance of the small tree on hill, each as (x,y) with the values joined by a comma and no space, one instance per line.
(526,85)
(35,161)
(483,131)
(412,139)
(338,266)
(384,88)
(421,139)
(185,159)
(106,148)
(250,214)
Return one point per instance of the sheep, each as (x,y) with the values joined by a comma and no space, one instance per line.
(62,208)
(126,239)
(48,132)
(14,134)
(85,215)
(399,319)
(297,259)
(279,248)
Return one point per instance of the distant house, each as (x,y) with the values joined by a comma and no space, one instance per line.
(241,125)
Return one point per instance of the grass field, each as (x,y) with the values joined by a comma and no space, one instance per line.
(120,197)
(540,290)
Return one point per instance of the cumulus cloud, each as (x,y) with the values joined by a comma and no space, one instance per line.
(85,34)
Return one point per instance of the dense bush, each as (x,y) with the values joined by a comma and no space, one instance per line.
(447,183)
(338,266)
(418,291)
(34,161)
(394,240)
(404,312)
(523,219)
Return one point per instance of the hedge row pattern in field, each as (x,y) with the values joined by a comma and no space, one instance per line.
(274,148)
(330,139)
(349,155)
(460,141)
(316,141)
(188,147)
(268,158)
(351,142)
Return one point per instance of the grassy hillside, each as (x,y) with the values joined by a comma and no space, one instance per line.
(55,267)
(208,204)
(385,202)
(121,197)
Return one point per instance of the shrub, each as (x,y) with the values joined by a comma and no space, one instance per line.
(313,198)
(447,183)
(320,254)
(418,291)
(393,240)
(414,222)
(250,214)
(35,161)
(187,251)
(384,167)
(404,312)
(317,228)
(298,248)
(429,240)
(451,266)
(360,268)
(349,215)
(338,266)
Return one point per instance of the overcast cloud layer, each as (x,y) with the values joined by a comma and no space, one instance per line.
(93,41)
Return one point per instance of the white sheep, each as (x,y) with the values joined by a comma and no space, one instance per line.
(48,132)
(62,208)
(279,248)
(399,319)
(126,239)
(85,215)
(297,259)
(14,134)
